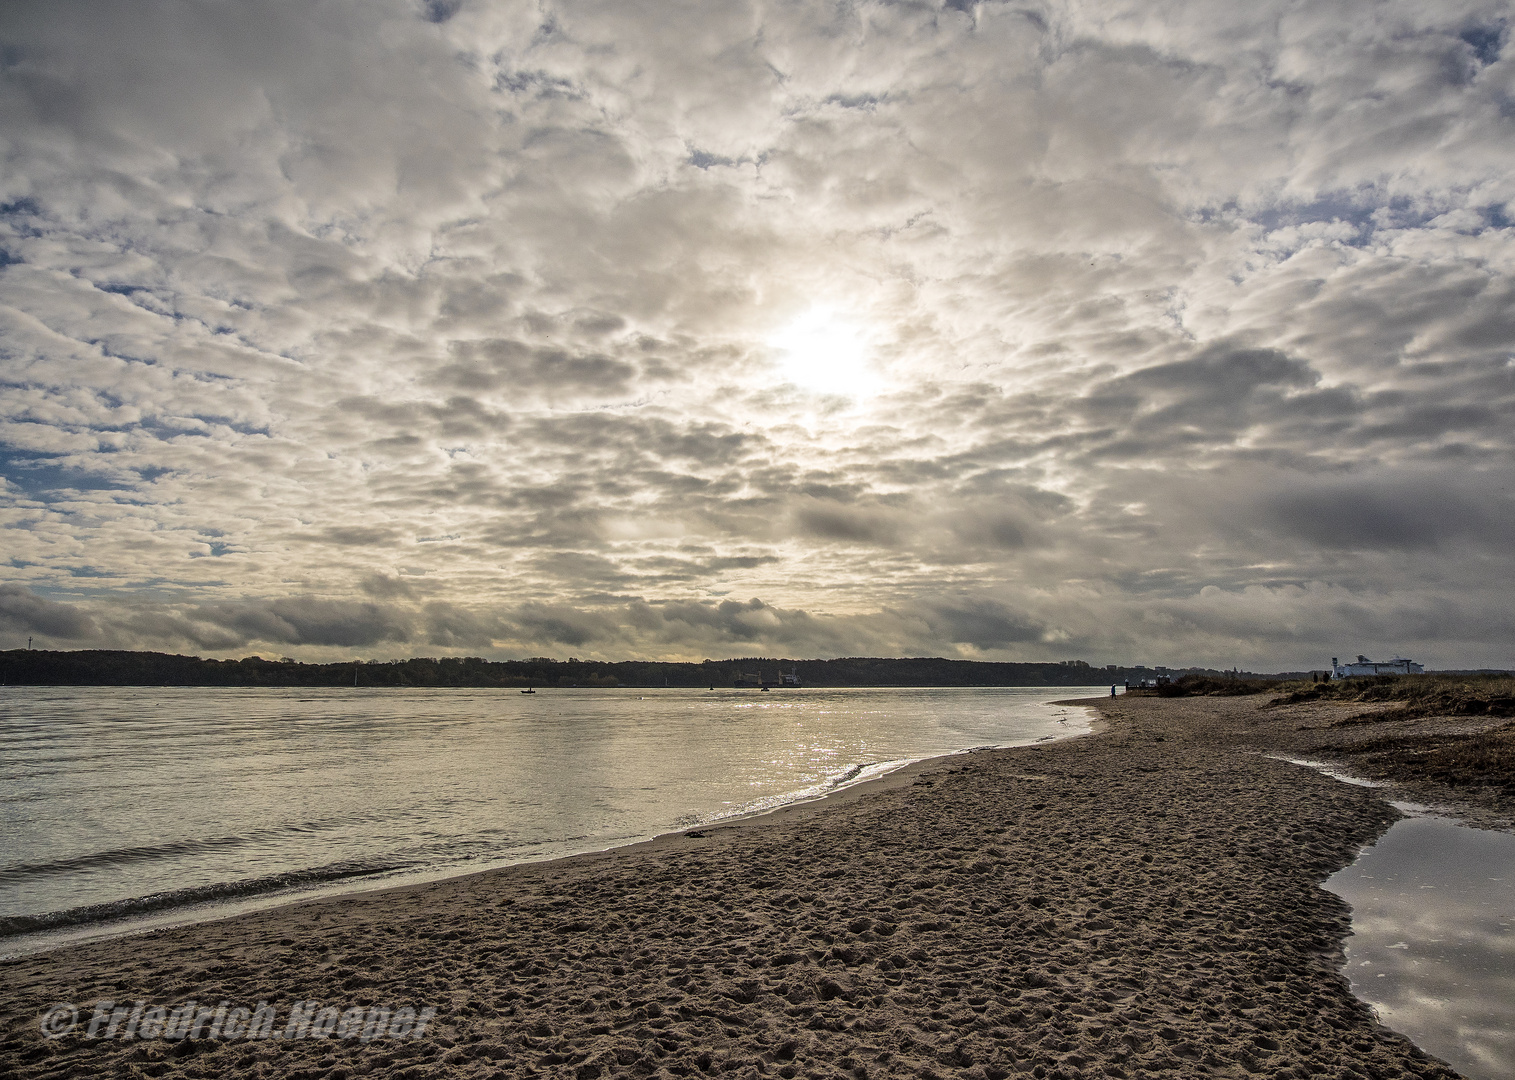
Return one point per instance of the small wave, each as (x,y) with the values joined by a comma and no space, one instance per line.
(124,856)
(852,774)
(12,925)
(116,857)
(847,775)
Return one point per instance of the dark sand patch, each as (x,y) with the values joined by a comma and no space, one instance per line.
(1143,902)
(1464,764)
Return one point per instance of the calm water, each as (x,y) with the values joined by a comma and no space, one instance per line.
(157,804)
(1433,939)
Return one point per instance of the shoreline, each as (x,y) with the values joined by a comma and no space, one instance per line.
(1142,903)
(70,935)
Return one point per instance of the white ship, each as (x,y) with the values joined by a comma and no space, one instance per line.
(1363,666)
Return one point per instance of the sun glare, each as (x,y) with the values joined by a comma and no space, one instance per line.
(827,354)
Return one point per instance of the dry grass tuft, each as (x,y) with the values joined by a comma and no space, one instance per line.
(1210,686)
(1416,695)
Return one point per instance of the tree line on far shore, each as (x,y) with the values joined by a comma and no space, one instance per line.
(103,667)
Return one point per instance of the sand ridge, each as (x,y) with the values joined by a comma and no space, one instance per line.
(1142,902)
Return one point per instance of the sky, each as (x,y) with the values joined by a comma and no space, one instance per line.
(1169,332)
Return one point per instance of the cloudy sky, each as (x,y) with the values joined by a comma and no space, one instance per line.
(1163,331)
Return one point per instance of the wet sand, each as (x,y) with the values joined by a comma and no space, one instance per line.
(1140,902)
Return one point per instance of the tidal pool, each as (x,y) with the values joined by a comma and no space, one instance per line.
(1433,939)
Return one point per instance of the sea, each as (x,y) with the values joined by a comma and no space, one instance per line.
(130,808)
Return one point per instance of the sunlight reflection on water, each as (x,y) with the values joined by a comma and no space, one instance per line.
(124,802)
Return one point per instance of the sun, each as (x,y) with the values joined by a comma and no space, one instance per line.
(826,353)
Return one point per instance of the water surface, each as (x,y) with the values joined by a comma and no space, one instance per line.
(1433,940)
(161,803)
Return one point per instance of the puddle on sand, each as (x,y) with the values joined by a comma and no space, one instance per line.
(1325,768)
(1433,939)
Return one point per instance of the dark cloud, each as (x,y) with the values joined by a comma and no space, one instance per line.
(1377,516)
(24,612)
(560,624)
(984,624)
(452,627)
(849,524)
(513,366)
(383,587)
(996,529)
(308,621)
(357,535)
(1195,403)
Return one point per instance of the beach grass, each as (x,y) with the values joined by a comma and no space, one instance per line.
(1418,695)
(1212,686)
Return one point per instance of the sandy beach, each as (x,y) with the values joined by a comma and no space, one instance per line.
(1143,901)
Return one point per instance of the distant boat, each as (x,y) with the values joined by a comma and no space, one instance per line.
(781,680)
(528,691)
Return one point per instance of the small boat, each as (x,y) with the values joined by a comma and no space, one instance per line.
(528,691)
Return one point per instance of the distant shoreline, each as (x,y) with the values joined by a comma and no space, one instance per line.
(106,667)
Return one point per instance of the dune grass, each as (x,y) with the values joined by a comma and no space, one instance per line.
(1415,695)
(1210,686)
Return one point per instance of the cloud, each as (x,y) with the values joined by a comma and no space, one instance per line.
(1376,516)
(24,612)
(982,623)
(396,323)
(308,621)
(481,366)
(830,521)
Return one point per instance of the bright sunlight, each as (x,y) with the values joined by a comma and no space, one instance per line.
(826,353)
